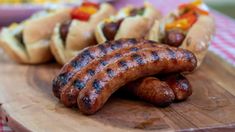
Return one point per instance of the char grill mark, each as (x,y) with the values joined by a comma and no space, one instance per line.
(134,49)
(104,63)
(118,55)
(155,55)
(87,101)
(102,49)
(110,72)
(138,59)
(171,54)
(78,84)
(123,64)
(97,86)
(85,58)
(61,81)
(91,72)
(132,41)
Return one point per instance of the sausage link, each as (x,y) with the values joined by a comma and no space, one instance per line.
(152,90)
(180,86)
(70,93)
(174,38)
(110,29)
(85,57)
(129,68)
(64,30)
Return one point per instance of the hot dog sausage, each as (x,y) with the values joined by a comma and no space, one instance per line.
(152,90)
(129,68)
(174,38)
(64,30)
(110,29)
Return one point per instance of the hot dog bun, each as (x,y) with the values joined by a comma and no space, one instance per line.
(80,35)
(198,37)
(131,26)
(36,33)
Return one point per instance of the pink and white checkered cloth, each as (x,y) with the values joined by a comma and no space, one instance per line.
(223,43)
(4,127)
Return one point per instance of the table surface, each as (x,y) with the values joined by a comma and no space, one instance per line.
(222,45)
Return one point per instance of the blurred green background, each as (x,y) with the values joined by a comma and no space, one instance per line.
(225,6)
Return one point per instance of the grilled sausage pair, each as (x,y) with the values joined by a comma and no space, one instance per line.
(93,75)
(162,91)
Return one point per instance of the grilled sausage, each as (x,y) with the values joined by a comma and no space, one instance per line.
(86,56)
(70,93)
(174,38)
(143,63)
(64,30)
(152,90)
(180,86)
(110,29)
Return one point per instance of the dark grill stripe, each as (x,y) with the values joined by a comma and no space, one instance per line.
(155,56)
(132,41)
(91,72)
(62,79)
(78,84)
(172,54)
(123,64)
(96,85)
(118,55)
(102,49)
(78,64)
(83,60)
(104,63)
(134,49)
(138,59)
(115,46)
(87,102)
(187,55)
(86,54)
(110,72)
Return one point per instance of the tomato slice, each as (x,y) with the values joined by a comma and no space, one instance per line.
(83,16)
(85,11)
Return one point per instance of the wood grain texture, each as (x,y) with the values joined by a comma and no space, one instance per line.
(27,103)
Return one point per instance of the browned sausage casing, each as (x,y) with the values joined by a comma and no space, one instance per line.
(152,90)
(70,93)
(85,57)
(110,29)
(129,68)
(180,86)
(64,30)
(174,38)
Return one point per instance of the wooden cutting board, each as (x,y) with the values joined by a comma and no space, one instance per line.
(27,103)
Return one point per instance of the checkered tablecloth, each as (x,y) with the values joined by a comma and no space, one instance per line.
(223,43)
